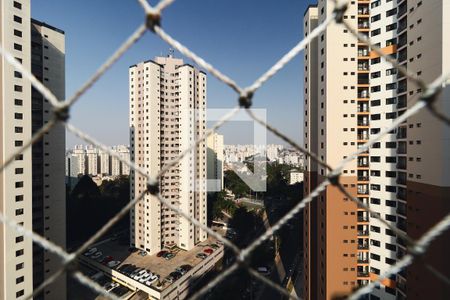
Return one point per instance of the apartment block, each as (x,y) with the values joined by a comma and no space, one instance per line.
(215,157)
(351,94)
(167,115)
(32,189)
(49,193)
(92,160)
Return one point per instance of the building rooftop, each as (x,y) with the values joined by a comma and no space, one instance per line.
(157,265)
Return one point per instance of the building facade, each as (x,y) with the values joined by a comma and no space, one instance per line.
(346,247)
(32,189)
(167,115)
(215,157)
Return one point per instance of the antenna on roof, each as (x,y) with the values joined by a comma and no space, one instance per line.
(171,52)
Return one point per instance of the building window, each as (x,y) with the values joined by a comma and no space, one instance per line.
(19,212)
(19,252)
(19,184)
(17,19)
(17,5)
(18,88)
(19,279)
(17,47)
(19,266)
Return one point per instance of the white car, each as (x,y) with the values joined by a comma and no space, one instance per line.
(113,263)
(90,251)
(97,254)
(140,274)
(146,277)
(152,279)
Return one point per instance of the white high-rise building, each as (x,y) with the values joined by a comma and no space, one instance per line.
(104,162)
(215,155)
(167,114)
(80,153)
(32,189)
(124,153)
(92,160)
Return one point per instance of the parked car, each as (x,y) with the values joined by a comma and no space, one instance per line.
(176,275)
(144,279)
(169,279)
(214,246)
(123,267)
(106,259)
(97,254)
(152,279)
(128,270)
(113,263)
(183,269)
(139,274)
(90,251)
(134,272)
(161,253)
(142,253)
(208,251)
(201,255)
(169,256)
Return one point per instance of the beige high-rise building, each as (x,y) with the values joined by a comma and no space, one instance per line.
(167,115)
(92,160)
(215,157)
(351,93)
(32,188)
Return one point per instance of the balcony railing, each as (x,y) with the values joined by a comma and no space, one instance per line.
(363,178)
(363,274)
(363,233)
(363,260)
(363,219)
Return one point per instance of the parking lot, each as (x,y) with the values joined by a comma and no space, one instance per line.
(112,250)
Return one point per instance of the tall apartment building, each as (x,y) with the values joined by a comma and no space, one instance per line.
(350,94)
(32,187)
(215,157)
(92,160)
(167,114)
(104,163)
(80,153)
(49,193)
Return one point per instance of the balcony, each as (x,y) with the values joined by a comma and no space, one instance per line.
(363,67)
(363,94)
(401,102)
(363,260)
(363,25)
(401,194)
(363,137)
(363,233)
(363,163)
(363,178)
(401,133)
(363,109)
(401,209)
(363,52)
(363,10)
(363,219)
(363,246)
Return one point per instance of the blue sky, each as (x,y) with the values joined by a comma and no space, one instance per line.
(242,38)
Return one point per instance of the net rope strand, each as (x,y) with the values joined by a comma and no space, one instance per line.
(429,92)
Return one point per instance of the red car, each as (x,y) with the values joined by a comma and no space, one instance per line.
(161,253)
(208,251)
(107,259)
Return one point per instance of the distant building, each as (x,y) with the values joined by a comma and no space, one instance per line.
(105,167)
(215,154)
(295,176)
(92,160)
